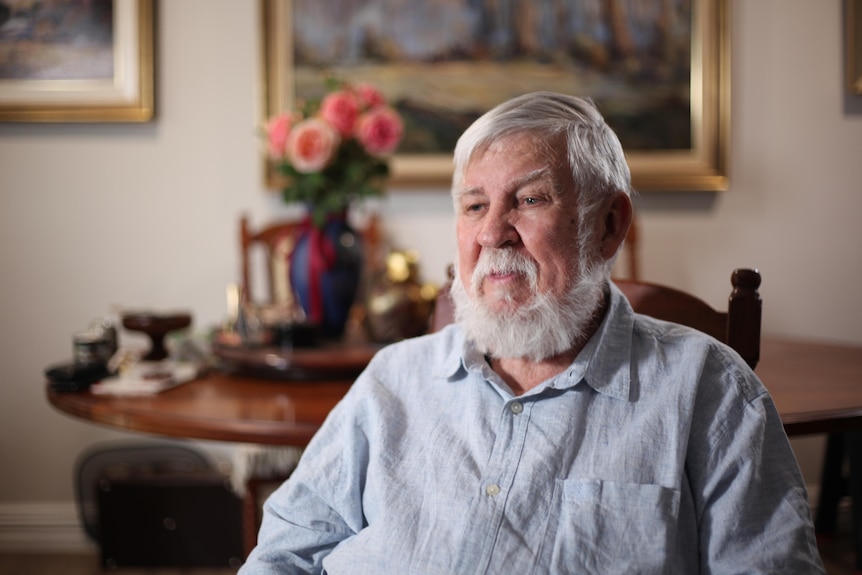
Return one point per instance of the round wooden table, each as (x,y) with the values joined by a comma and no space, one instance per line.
(217,406)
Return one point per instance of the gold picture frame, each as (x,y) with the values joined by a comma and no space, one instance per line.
(701,166)
(125,94)
(853,45)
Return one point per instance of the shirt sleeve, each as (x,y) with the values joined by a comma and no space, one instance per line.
(319,506)
(751,501)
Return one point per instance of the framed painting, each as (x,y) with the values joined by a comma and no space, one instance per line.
(658,71)
(76,61)
(853,45)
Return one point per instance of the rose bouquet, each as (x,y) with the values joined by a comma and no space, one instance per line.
(335,150)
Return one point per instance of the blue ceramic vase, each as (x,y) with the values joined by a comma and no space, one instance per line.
(325,271)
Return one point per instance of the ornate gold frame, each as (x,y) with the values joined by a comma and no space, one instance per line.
(853,45)
(703,167)
(128,97)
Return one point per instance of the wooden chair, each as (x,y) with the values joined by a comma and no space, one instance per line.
(739,326)
(275,242)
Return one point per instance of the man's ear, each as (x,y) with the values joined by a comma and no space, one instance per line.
(615,221)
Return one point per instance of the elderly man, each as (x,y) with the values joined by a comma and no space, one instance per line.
(550,429)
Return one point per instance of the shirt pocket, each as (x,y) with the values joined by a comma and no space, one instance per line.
(597,526)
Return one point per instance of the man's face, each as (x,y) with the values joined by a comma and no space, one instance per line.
(512,198)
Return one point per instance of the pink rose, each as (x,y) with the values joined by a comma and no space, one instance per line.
(277,130)
(311,145)
(341,110)
(369,97)
(380,130)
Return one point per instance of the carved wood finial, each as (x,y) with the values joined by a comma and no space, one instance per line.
(744,310)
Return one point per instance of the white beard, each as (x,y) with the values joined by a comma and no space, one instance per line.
(545,326)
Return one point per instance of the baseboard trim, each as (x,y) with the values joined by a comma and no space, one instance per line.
(42,527)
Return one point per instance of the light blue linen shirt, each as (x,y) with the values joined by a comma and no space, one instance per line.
(657,451)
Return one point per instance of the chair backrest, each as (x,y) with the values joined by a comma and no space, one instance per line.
(275,242)
(738,327)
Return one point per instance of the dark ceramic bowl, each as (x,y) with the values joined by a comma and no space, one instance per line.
(156,326)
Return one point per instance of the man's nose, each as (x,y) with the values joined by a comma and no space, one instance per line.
(498,229)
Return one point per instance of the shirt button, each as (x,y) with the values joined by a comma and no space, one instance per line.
(492,490)
(516,407)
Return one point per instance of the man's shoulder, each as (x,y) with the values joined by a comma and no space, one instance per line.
(651,328)
(431,353)
(671,348)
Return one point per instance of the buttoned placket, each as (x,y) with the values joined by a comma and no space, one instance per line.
(499,477)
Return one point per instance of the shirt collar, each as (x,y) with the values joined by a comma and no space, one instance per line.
(453,365)
(603,364)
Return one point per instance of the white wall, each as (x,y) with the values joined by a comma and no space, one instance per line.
(146,215)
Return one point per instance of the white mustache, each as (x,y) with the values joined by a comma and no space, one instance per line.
(503,261)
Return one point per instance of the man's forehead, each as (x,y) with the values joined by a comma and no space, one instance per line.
(550,151)
(523,142)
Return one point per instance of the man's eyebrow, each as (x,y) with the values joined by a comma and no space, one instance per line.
(534,175)
(473,191)
(525,179)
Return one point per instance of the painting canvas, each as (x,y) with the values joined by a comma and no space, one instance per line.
(60,41)
(442,63)
(76,60)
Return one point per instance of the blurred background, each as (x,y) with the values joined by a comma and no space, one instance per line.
(95,217)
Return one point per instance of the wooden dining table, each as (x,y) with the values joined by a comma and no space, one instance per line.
(817,388)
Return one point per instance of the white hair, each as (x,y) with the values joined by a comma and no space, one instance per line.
(546,326)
